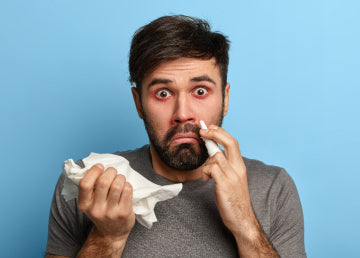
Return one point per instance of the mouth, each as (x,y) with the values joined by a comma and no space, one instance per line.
(184,138)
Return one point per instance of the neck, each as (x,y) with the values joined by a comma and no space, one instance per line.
(174,175)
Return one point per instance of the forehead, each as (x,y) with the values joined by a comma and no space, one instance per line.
(185,69)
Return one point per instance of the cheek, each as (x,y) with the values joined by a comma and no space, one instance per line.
(210,107)
(157,111)
(158,115)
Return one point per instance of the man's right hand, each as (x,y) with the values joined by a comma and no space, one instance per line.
(106,198)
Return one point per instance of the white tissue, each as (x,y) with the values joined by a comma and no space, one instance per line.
(145,193)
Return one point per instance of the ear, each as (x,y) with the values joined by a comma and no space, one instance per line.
(226,99)
(136,97)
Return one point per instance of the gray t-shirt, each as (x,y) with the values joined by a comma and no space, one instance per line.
(189,225)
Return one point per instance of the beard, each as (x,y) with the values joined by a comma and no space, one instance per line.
(185,156)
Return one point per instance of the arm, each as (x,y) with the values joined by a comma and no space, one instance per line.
(232,196)
(106,199)
(287,222)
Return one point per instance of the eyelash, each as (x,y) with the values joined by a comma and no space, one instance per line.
(162,90)
(202,88)
(157,93)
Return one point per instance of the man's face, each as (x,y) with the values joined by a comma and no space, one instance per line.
(175,97)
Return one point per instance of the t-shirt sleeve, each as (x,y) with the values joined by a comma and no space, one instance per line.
(68,226)
(287,223)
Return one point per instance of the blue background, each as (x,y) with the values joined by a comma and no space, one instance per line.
(294,74)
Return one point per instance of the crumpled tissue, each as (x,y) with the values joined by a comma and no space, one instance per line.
(145,193)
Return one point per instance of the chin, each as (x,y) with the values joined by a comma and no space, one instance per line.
(185,157)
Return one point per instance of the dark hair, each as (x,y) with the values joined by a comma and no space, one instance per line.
(171,37)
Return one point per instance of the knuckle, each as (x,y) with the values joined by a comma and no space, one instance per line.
(121,177)
(118,183)
(110,216)
(228,141)
(214,158)
(235,142)
(85,185)
(223,163)
(124,214)
(219,158)
(214,166)
(128,187)
(127,191)
(120,180)
(103,182)
(97,214)
(121,214)
(111,170)
(116,188)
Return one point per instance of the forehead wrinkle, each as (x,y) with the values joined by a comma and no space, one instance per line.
(164,72)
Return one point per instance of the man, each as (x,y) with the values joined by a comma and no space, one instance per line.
(229,206)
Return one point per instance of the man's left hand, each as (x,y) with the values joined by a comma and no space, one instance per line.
(231,186)
(232,194)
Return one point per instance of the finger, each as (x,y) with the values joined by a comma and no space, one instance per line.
(214,171)
(125,204)
(230,172)
(225,166)
(206,177)
(219,135)
(87,183)
(115,191)
(103,185)
(234,159)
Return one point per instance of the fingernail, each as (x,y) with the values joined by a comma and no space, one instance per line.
(99,165)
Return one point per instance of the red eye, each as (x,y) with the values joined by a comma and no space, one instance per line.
(201,91)
(163,94)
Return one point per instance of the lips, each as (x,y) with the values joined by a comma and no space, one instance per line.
(184,138)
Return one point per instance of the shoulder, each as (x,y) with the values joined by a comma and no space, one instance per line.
(134,154)
(265,180)
(259,172)
(139,159)
(277,206)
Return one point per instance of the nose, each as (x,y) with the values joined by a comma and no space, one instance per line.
(183,111)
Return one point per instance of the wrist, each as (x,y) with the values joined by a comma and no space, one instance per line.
(110,239)
(246,230)
(247,234)
(252,242)
(98,244)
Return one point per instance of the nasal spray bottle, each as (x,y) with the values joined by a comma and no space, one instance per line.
(211,146)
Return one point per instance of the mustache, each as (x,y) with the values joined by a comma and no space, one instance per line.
(187,128)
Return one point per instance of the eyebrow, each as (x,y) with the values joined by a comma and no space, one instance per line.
(159,81)
(203,78)
(194,79)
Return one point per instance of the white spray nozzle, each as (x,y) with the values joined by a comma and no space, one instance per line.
(211,146)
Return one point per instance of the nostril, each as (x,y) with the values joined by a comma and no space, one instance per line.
(180,121)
